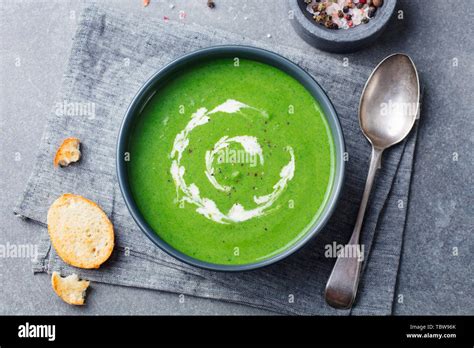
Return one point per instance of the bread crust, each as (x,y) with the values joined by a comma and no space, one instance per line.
(71,291)
(66,235)
(68,152)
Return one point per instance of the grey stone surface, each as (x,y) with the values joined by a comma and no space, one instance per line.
(35,38)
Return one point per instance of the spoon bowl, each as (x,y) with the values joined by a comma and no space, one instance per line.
(389,102)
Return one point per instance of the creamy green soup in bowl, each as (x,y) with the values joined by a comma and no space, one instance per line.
(230,158)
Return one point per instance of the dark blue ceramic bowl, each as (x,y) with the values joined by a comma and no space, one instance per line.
(158,80)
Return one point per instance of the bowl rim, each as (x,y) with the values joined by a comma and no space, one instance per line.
(358,33)
(230,51)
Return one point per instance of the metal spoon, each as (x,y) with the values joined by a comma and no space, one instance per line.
(387,111)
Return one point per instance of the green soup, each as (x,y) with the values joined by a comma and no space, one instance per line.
(231,163)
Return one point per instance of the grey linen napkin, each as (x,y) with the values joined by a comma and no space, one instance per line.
(113,54)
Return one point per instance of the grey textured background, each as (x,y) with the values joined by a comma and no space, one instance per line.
(35,38)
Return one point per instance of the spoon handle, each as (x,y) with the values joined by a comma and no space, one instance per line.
(341,287)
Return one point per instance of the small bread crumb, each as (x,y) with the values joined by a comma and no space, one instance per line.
(68,152)
(70,289)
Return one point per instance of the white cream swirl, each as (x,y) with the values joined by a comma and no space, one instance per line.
(191,193)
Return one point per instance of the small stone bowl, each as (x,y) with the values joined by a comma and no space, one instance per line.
(339,40)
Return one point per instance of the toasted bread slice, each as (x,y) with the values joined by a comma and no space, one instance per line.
(70,289)
(68,152)
(80,232)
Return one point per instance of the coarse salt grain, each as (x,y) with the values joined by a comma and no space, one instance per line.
(332,9)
